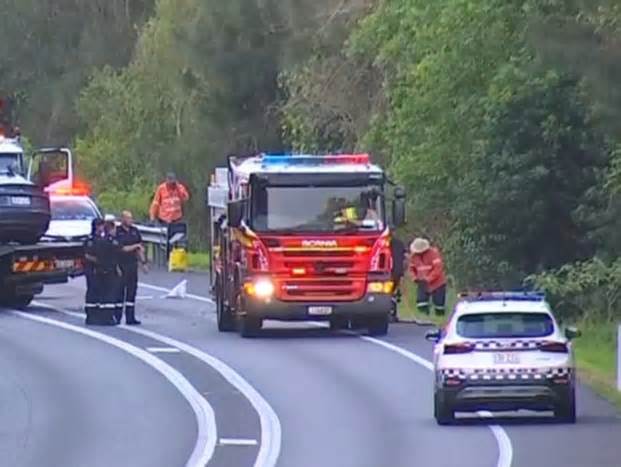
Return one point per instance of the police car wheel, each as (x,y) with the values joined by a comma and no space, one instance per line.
(442,411)
(378,326)
(565,412)
(249,326)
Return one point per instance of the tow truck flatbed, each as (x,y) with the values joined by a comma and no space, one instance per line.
(25,269)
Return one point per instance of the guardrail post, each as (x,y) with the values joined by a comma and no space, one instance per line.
(619,357)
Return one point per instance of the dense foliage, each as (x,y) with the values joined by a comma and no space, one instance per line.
(502,118)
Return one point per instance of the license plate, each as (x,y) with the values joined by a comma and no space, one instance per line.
(506,358)
(64,263)
(319,310)
(20,200)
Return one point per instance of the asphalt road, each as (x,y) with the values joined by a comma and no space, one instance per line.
(298,396)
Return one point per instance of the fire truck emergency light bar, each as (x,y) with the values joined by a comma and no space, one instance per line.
(495,296)
(307,159)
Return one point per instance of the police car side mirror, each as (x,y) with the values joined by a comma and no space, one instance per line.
(572,332)
(398,207)
(434,335)
(235,213)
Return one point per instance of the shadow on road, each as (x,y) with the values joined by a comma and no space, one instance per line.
(297,333)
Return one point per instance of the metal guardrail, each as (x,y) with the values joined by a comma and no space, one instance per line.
(158,242)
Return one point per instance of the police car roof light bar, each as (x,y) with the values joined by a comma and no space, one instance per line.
(308,159)
(503,296)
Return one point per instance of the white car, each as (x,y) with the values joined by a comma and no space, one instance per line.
(503,351)
(72,217)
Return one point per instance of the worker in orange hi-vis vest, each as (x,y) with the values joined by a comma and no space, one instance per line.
(167,205)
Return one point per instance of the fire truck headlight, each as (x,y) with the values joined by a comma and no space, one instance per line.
(380,287)
(263,288)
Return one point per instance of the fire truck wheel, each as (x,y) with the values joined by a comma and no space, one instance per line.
(378,326)
(226,321)
(249,326)
(338,323)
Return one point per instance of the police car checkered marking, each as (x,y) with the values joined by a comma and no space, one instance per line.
(501,374)
(513,345)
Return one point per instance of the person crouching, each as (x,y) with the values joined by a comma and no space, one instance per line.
(427,269)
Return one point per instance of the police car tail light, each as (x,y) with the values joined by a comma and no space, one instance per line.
(555,347)
(463,347)
(381,259)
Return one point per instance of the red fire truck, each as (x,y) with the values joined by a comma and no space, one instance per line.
(298,237)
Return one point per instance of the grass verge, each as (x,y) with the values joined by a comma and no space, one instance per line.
(198,261)
(596,358)
(595,349)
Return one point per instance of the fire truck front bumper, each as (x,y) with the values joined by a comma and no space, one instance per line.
(371,305)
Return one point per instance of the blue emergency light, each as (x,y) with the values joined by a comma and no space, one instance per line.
(311,160)
(503,296)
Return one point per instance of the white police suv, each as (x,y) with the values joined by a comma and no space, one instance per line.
(503,351)
(72,212)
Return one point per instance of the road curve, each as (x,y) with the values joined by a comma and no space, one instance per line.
(69,400)
(350,402)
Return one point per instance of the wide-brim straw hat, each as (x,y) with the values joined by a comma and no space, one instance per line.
(419,245)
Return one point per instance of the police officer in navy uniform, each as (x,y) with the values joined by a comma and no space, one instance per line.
(132,251)
(107,274)
(91,302)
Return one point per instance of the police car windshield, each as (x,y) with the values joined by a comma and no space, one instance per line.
(9,163)
(72,209)
(504,325)
(317,209)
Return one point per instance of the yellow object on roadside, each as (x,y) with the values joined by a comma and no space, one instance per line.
(178,261)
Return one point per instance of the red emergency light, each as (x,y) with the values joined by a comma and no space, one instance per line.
(348,159)
(78,188)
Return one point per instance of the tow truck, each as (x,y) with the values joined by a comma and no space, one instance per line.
(26,263)
(302,238)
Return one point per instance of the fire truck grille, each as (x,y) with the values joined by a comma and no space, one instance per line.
(318,253)
(322,289)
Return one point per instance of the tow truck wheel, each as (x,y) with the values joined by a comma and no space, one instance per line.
(565,412)
(443,412)
(378,326)
(20,302)
(249,326)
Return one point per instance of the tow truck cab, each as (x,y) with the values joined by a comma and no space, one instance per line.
(307,238)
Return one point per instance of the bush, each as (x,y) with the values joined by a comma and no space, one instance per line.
(589,290)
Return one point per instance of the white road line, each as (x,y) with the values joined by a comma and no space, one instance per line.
(505,449)
(238,442)
(163,350)
(271,433)
(205,418)
(164,289)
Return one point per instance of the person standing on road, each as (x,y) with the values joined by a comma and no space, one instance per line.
(107,273)
(91,301)
(427,269)
(397,248)
(132,250)
(167,204)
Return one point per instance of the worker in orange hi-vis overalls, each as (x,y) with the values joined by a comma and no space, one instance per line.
(427,270)
(167,205)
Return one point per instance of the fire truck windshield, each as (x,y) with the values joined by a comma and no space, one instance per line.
(317,209)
